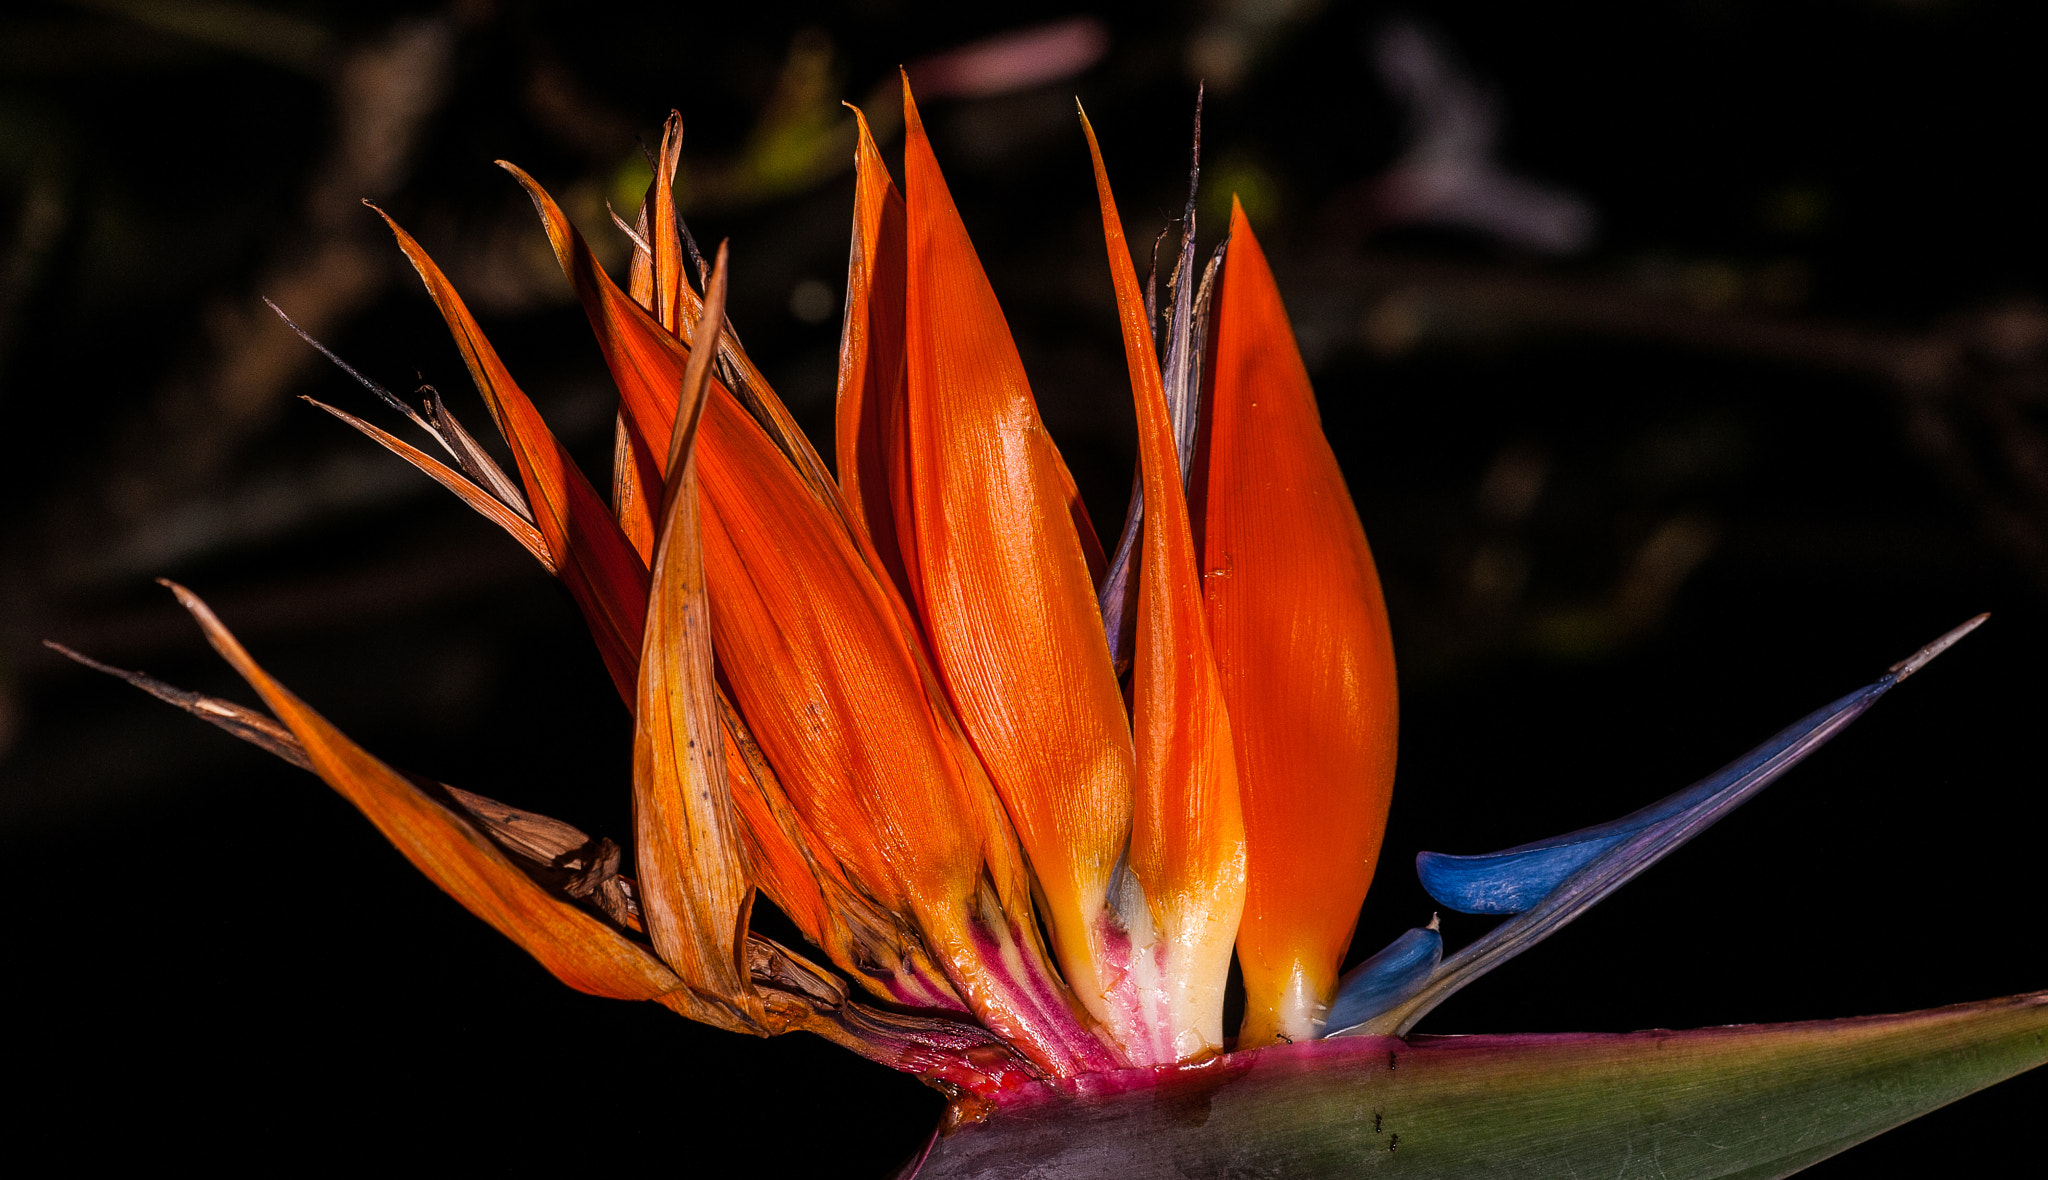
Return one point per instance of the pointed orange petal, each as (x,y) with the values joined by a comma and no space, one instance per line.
(1300,631)
(693,882)
(872,393)
(1001,579)
(645,359)
(580,950)
(592,557)
(825,677)
(670,281)
(834,689)
(1187,835)
(493,508)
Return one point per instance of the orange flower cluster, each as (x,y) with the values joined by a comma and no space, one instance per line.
(894,701)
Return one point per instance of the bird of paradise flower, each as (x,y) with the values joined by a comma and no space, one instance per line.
(1033,796)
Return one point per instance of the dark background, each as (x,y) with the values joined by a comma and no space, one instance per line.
(1641,493)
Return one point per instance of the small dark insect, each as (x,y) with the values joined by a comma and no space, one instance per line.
(1375,1122)
(1393,1141)
(1390,1060)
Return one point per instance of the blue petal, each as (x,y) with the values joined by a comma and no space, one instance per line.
(1516,879)
(1386,979)
(1554,881)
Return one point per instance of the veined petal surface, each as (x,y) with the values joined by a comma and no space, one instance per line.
(647,360)
(836,693)
(872,397)
(1300,631)
(1001,580)
(1187,832)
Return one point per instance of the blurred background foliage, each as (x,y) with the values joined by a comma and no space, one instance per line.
(1687,358)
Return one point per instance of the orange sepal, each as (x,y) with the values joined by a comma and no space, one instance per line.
(575,946)
(1001,579)
(793,867)
(872,396)
(694,891)
(834,689)
(670,282)
(593,558)
(1300,632)
(636,487)
(826,678)
(1187,833)
(780,856)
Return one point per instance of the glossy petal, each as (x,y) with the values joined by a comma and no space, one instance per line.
(1301,635)
(1398,971)
(873,396)
(646,361)
(436,837)
(1519,878)
(796,870)
(837,695)
(829,676)
(592,557)
(1744,1102)
(1001,580)
(1187,834)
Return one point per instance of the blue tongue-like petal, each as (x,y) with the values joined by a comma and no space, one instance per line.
(1516,879)
(1386,979)
(1550,882)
